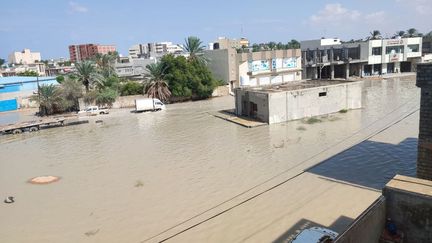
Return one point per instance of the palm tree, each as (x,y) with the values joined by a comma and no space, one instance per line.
(375,35)
(87,74)
(71,90)
(50,100)
(105,62)
(195,48)
(157,87)
(412,32)
(399,33)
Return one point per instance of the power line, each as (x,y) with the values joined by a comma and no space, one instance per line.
(283,172)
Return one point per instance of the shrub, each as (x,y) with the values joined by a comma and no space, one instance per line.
(131,88)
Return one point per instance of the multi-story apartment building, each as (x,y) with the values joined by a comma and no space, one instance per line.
(156,50)
(24,57)
(86,51)
(331,58)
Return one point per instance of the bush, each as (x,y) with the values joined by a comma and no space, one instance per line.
(131,88)
(106,97)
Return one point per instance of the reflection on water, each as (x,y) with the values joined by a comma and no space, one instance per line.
(371,164)
(185,159)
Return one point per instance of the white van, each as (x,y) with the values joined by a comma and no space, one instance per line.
(149,104)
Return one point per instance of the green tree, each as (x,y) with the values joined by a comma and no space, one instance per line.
(375,35)
(400,33)
(71,90)
(106,97)
(60,79)
(271,45)
(131,88)
(28,73)
(195,48)
(2,61)
(192,80)
(412,32)
(156,86)
(256,48)
(293,44)
(87,74)
(106,62)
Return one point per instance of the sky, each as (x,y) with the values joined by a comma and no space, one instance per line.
(50,26)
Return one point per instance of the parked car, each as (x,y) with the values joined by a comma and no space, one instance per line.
(315,235)
(148,105)
(94,110)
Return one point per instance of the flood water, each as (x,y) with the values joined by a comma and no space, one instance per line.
(137,175)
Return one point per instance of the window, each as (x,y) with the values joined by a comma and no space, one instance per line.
(394,49)
(320,94)
(376,51)
(413,48)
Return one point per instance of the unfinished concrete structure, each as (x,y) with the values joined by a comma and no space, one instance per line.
(424,158)
(296,100)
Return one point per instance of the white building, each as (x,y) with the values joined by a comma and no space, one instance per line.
(157,49)
(134,67)
(24,57)
(331,58)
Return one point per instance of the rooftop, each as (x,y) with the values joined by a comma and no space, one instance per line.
(297,85)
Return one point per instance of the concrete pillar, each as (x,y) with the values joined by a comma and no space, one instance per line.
(347,69)
(331,71)
(424,158)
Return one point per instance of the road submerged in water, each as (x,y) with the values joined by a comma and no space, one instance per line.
(186,176)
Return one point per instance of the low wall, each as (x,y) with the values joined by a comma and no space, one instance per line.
(409,205)
(221,91)
(127,101)
(368,226)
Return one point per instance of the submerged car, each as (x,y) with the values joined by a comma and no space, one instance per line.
(315,235)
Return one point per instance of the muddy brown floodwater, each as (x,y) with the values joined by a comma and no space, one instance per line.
(138,176)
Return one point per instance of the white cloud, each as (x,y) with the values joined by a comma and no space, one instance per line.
(334,13)
(423,7)
(75,7)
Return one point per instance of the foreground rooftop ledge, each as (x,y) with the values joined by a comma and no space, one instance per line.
(410,184)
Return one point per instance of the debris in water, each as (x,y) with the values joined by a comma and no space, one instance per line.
(139,183)
(301,128)
(281,145)
(9,200)
(99,121)
(44,179)
(91,233)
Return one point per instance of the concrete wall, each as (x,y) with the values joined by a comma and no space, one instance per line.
(424,158)
(222,64)
(297,104)
(127,101)
(409,205)
(281,106)
(368,226)
(243,99)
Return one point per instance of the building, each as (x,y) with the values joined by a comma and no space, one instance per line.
(269,67)
(86,51)
(223,64)
(15,92)
(331,58)
(24,57)
(14,70)
(226,43)
(255,68)
(134,68)
(296,100)
(157,50)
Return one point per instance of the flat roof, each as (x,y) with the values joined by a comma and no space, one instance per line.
(296,85)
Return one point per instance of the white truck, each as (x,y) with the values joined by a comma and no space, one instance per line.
(315,235)
(94,110)
(149,104)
